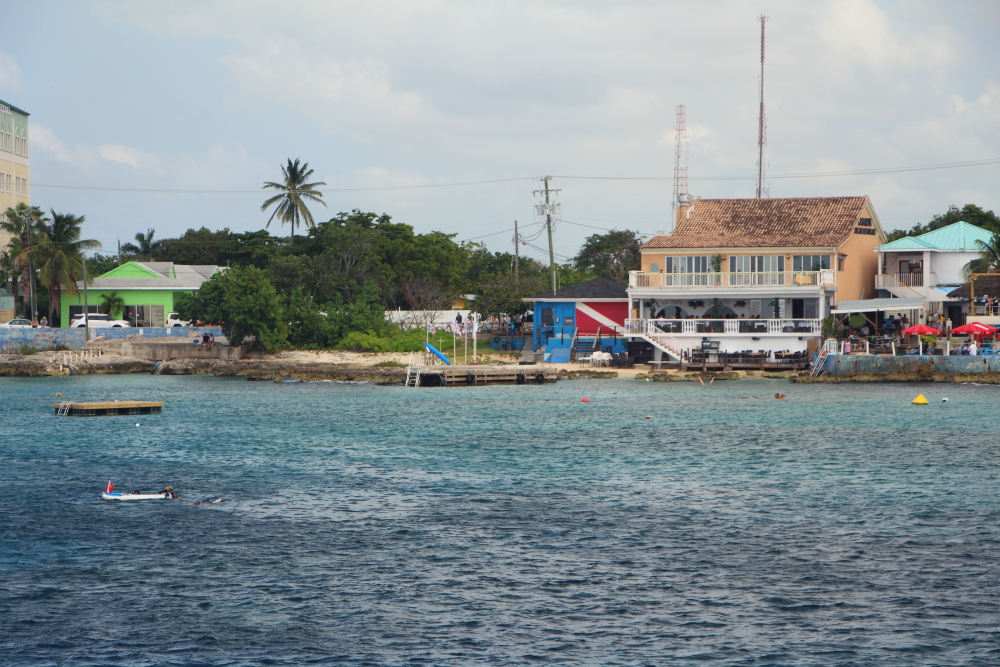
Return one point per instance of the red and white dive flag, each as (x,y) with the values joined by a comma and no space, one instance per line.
(110,487)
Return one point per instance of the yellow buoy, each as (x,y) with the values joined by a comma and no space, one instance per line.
(920,400)
(58,394)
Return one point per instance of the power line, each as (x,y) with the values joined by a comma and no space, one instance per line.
(258,192)
(605,229)
(821,174)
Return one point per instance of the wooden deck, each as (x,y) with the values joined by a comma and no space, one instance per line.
(107,408)
(478,376)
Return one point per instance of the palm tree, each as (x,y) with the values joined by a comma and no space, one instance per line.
(294,191)
(9,268)
(21,223)
(987,262)
(145,247)
(112,303)
(58,253)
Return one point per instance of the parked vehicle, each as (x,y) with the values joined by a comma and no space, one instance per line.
(97,321)
(173,320)
(16,322)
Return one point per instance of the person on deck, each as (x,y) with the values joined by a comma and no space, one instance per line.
(169,493)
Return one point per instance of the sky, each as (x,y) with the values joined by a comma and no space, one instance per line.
(171,114)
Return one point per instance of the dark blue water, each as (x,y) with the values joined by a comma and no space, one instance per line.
(501,525)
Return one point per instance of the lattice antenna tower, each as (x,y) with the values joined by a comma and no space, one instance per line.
(680,162)
(762,188)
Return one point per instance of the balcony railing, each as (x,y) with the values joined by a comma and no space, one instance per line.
(640,280)
(725,327)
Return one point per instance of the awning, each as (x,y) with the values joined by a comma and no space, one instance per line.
(886,305)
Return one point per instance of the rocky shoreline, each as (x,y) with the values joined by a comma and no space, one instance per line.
(279,369)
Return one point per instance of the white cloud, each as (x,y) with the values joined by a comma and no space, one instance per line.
(10,73)
(46,140)
(122,154)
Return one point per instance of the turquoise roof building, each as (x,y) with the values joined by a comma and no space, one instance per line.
(930,266)
(956,236)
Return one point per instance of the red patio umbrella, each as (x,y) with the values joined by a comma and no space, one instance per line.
(921,330)
(976,329)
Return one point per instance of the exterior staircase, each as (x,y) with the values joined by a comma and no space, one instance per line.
(663,341)
(892,285)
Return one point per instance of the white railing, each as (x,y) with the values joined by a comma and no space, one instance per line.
(641,280)
(913,279)
(890,282)
(731,327)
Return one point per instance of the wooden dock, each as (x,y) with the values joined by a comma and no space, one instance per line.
(478,376)
(107,408)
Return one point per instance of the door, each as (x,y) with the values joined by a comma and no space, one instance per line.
(911,272)
(798,309)
(156,318)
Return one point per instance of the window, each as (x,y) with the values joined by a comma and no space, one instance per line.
(756,263)
(840,262)
(810,262)
(654,268)
(687,264)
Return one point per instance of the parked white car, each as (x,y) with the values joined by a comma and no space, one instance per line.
(97,321)
(16,322)
(173,320)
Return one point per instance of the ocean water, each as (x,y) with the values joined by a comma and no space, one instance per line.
(368,525)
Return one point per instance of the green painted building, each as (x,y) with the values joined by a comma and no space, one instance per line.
(150,290)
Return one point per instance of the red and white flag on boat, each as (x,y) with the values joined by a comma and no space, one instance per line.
(110,487)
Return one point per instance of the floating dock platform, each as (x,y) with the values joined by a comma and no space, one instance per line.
(477,376)
(107,408)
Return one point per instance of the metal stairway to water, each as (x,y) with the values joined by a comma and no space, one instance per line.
(64,408)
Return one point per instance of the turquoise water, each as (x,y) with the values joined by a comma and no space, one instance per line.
(370,525)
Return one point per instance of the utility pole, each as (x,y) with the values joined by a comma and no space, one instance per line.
(547,209)
(761,121)
(119,252)
(32,277)
(86,306)
(517,252)
(680,162)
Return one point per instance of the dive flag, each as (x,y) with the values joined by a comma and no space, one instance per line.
(110,487)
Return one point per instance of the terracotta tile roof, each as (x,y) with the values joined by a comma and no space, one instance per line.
(807,222)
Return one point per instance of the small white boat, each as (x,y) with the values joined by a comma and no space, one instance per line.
(115,495)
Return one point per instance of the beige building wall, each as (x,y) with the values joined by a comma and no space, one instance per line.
(15,162)
(857,280)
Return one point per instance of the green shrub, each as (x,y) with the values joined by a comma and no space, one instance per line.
(26,349)
(393,341)
(390,364)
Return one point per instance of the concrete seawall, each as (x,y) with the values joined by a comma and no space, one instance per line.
(45,339)
(854,364)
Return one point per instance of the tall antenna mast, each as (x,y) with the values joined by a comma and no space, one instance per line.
(680,162)
(762,190)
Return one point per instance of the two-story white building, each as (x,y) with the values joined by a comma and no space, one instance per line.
(930,266)
(753,275)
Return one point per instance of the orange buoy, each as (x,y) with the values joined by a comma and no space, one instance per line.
(585,400)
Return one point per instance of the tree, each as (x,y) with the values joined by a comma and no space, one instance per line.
(610,255)
(21,223)
(144,248)
(989,257)
(291,203)
(243,302)
(504,295)
(112,303)
(970,213)
(10,269)
(58,254)
(98,264)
